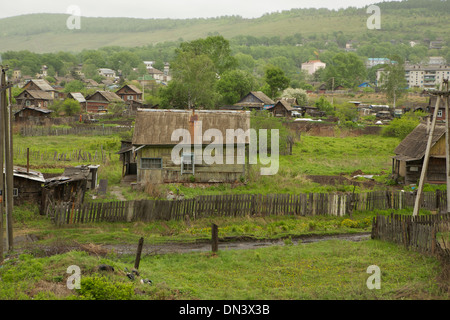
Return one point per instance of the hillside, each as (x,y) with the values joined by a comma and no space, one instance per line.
(410,20)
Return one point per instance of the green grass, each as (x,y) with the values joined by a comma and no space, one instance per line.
(323,270)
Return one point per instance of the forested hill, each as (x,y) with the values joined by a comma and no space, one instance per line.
(405,20)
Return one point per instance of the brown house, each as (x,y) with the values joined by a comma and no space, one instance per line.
(43,85)
(154,145)
(255,100)
(36,115)
(100,100)
(38,98)
(78,96)
(432,105)
(409,156)
(129,93)
(282,109)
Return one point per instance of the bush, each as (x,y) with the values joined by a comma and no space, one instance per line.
(102,288)
(403,126)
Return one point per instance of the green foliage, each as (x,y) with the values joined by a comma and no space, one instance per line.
(102,288)
(401,127)
(233,85)
(74,86)
(324,105)
(276,80)
(393,81)
(347,69)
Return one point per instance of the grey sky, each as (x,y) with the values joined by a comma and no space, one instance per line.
(175,9)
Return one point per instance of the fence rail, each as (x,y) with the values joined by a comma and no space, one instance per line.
(307,204)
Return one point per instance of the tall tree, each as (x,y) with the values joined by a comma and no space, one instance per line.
(393,81)
(276,80)
(234,85)
(193,84)
(347,70)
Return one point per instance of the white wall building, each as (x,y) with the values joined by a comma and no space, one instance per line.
(313,65)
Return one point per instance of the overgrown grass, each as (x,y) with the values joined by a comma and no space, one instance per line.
(323,270)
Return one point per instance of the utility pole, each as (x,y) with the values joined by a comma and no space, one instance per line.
(426,158)
(2,195)
(8,184)
(447,144)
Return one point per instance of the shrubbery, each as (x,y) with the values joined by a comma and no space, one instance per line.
(403,126)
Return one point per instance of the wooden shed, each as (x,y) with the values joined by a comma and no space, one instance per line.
(32,114)
(27,186)
(409,156)
(282,109)
(153,143)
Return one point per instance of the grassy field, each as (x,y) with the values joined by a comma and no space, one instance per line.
(316,271)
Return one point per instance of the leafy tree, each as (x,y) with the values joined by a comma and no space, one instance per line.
(74,86)
(393,81)
(234,85)
(275,80)
(217,48)
(324,105)
(347,69)
(193,84)
(401,127)
(299,94)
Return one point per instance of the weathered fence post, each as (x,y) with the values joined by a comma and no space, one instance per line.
(138,253)
(215,237)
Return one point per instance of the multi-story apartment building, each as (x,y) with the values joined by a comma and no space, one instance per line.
(422,76)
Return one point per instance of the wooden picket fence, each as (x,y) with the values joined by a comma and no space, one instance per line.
(428,234)
(27,131)
(307,204)
(74,155)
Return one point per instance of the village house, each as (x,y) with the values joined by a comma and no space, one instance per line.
(255,100)
(37,98)
(129,93)
(409,156)
(432,105)
(32,114)
(42,85)
(100,100)
(78,96)
(107,73)
(153,146)
(282,109)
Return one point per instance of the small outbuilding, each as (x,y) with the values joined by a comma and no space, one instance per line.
(409,156)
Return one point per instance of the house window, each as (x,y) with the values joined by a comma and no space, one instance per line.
(151,163)
(130,97)
(28,103)
(439,113)
(187,163)
(15,192)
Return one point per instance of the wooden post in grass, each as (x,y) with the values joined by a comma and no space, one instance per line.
(138,254)
(214,237)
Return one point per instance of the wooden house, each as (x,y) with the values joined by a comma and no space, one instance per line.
(409,156)
(78,96)
(129,93)
(43,85)
(32,114)
(154,144)
(37,98)
(282,109)
(99,101)
(255,100)
(432,105)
